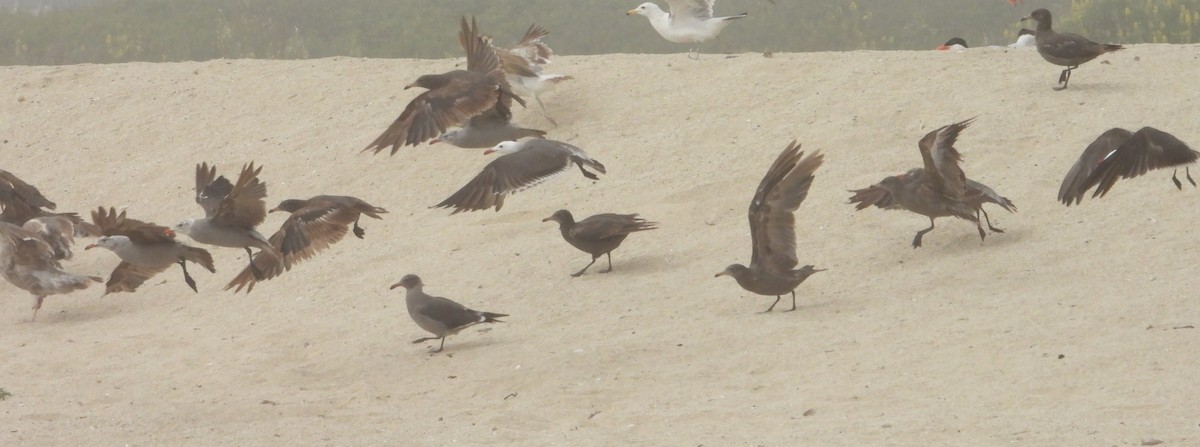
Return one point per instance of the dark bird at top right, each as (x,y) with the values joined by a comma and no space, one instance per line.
(1119,153)
(1065,49)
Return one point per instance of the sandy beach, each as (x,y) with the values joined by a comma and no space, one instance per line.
(1077,326)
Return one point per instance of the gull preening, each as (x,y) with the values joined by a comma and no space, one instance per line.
(690,21)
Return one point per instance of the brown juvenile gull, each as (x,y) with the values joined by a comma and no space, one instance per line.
(940,189)
(231,211)
(690,21)
(452,97)
(314,225)
(1119,153)
(523,164)
(1065,49)
(598,235)
(438,315)
(28,262)
(772,269)
(21,202)
(145,250)
(523,67)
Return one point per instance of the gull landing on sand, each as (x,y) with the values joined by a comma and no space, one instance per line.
(690,21)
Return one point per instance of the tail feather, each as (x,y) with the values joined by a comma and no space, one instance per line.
(202,257)
(1113,47)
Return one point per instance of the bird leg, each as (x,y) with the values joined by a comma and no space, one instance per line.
(793,302)
(594,258)
(988,219)
(37,305)
(358,231)
(186,277)
(544,114)
(258,274)
(1065,78)
(1187,172)
(609,254)
(439,349)
(777,298)
(586,173)
(917,239)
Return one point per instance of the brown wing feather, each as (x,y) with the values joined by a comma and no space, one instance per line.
(307,232)
(1072,190)
(112,224)
(772,223)
(245,206)
(946,158)
(15,189)
(209,189)
(778,224)
(603,226)
(127,277)
(432,112)
(1147,149)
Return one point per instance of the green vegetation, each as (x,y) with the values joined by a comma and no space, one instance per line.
(4,394)
(173,30)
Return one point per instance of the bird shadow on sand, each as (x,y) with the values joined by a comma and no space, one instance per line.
(633,266)
(76,314)
(458,346)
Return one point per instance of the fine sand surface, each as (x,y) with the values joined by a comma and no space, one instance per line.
(1077,326)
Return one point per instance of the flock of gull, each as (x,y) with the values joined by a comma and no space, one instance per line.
(35,239)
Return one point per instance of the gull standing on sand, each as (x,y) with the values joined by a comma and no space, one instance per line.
(524,164)
(230,211)
(690,21)
(28,262)
(1064,49)
(438,315)
(773,261)
(599,234)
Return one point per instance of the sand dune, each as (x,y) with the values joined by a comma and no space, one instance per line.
(1075,327)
